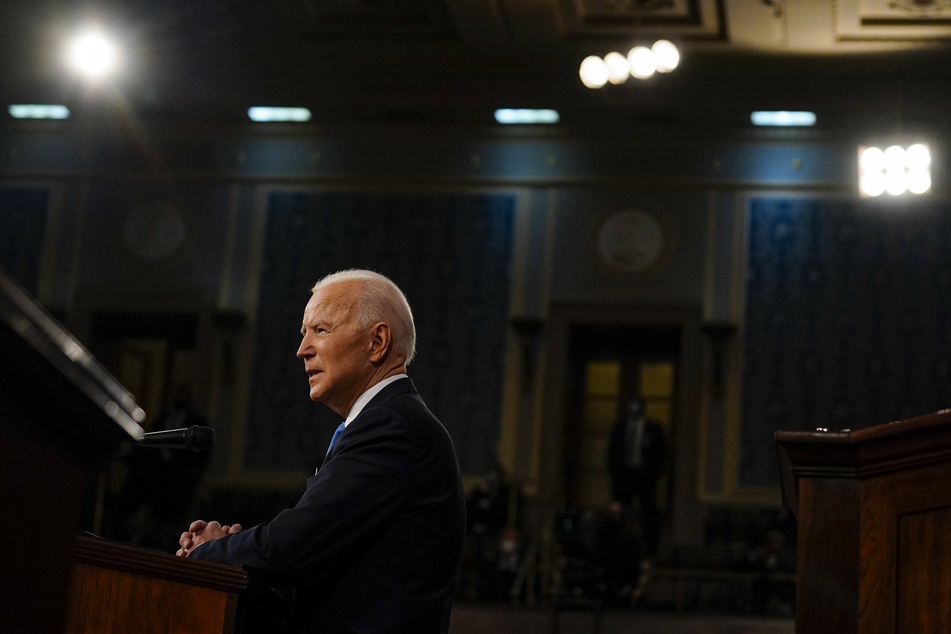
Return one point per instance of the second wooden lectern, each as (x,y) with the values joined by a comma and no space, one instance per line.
(874,512)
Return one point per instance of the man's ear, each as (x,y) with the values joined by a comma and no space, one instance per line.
(381,341)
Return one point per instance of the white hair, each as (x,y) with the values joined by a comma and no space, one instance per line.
(379,300)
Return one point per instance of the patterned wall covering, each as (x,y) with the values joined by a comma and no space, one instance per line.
(451,256)
(22,226)
(848,319)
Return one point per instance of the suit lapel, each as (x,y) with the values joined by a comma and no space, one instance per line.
(392,390)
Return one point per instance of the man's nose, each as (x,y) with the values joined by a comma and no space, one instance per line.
(305,350)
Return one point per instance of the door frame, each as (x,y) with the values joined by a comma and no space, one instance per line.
(685,514)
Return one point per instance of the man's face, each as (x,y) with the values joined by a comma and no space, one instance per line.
(335,353)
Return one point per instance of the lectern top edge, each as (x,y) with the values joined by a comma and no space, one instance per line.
(919,424)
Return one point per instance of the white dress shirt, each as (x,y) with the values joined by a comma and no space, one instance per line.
(365,398)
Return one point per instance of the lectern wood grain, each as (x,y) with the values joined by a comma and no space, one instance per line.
(121,588)
(113,601)
(924,582)
(874,511)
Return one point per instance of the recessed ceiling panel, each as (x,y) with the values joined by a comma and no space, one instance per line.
(684,18)
(368,17)
(906,20)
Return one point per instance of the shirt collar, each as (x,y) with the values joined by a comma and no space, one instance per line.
(365,398)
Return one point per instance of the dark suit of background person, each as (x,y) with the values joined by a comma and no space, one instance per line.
(637,457)
(375,543)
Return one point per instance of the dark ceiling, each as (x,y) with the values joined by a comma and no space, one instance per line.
(455,61)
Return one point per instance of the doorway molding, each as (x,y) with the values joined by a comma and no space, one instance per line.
(684,512)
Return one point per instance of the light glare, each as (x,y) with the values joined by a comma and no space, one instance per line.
(618,68)
(668,57)
(872,159)
(895,170)
(783,118)
(917,157)
(593,72)
(919,181)
(267,113)
(894,159)
(642,61)
(526,115)
(896,182)
(93,54)
(873,184)
(35,111)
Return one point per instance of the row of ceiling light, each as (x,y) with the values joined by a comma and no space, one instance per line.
(895,170)
(640,62)
(267,114)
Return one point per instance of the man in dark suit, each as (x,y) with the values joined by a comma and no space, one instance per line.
(375,543)
(637,457)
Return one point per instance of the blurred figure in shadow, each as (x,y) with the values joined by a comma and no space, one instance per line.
(486,515)
(622,553)
(637,457)
(776,553)
(161,483)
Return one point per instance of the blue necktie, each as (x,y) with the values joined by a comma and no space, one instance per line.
(336,436)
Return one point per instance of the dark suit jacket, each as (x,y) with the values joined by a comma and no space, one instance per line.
(375,543)
(654,452)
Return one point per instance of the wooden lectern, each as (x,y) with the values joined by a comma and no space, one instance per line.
(123,588)
(874,512)
(61,415)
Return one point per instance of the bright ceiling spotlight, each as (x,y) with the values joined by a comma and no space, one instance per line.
(894,159)
(895,170)
(93,54)
(266,113)
(526,115)
(667,54)
(873,184)
(919,181)
(784,118)
(896,182)
(642,61)
(872,159)
(918,156)
(593,72)
(38,111)
(618,68)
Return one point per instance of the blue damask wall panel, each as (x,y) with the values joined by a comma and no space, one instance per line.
(449,253)
(22,226)
(848,319)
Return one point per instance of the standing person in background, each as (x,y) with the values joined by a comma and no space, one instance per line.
(375,543)
(637,457)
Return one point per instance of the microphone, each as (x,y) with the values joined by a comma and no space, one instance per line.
(195,438)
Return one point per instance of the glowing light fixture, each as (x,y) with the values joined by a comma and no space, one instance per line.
(594,72)
(34,111)
(783,118)
(618,68)
(93,54)
(266,113)
(641,62)
(895,170)
(917,157)
(667,55)
(526,115)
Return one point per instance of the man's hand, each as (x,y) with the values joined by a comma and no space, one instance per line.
(200,532)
